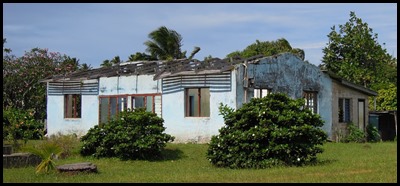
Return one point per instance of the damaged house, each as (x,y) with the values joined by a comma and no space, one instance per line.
(187,94)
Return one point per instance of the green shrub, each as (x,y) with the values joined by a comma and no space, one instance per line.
(68,143)
(270,131)
(354,135)
(136,134)
(373,133)
(21,125)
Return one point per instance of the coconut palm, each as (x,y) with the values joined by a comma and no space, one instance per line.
(140,57)
(85,66)
(106,63)
(165,44)
(116,60)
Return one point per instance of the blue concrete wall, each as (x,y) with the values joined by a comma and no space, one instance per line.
(241,93)
(288,74)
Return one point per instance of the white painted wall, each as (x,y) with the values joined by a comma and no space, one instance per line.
(143,84)
(185,129)
(195,129)
(90,103)
(56,123)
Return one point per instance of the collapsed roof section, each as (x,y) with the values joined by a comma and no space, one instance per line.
(160,69)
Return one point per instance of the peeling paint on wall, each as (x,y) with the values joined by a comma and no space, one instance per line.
(286,73)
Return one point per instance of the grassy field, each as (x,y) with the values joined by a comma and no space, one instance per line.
(187,163)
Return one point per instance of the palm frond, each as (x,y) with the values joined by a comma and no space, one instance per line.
(47,152)
(164,43)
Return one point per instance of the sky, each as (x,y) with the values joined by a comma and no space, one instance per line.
(94,32)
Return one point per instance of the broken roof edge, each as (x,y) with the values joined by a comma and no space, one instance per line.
(66,79)
(383,112)
(350,84)
(137,67)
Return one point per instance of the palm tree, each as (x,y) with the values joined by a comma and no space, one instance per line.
(165,44)
(70,64)
(116,60)
(85,66)
(140,57)
(106,63)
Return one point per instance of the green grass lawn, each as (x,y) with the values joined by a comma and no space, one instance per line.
(339,163)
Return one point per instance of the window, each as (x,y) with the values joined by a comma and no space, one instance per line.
(143,102)
(197,102)
(344,110)
(72,106)
(259,93)
(110,106)
(311,100)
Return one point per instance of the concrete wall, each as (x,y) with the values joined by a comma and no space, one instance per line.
(185,129)
(339,91)
(136,84)
(195,129)
(288,74)
(56,123)
(18,160)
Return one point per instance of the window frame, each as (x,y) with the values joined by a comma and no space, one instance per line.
(128,104)
(75,107)
(343,113)
(258,92)
(188,105)
(311,100)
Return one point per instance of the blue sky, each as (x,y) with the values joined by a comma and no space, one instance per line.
(94,32)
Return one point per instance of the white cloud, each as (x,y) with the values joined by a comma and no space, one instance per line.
(93,32)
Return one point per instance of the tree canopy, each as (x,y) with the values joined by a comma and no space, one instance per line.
(354,53)
(268,48)
(22,88)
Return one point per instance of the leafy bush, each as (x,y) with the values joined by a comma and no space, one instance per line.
(355,134)
(270,131)
(21,125)
(136,134)
(373,133)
